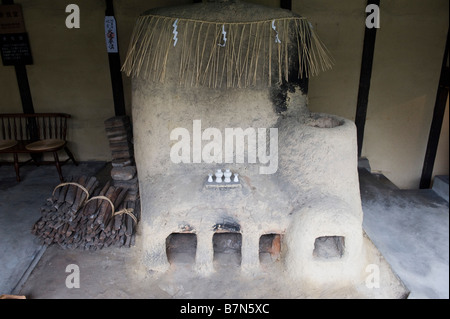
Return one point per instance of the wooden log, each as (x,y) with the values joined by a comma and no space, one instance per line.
(82,182)
(109,227)
(109,241)
(129,219)
(90,208)
(71,193)
(117,199)
(90,186)
(65,228)
(62,194)
(118,222)
(61,212)
(121,197)
(121,240)
(123,227)
(127,240)
(105,207)
(118,204)
(102,235)
(58,224)
(104,190)
(95,210)
(79,192)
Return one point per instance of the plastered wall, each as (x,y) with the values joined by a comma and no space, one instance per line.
(407,65)
(71,73)
(406,68)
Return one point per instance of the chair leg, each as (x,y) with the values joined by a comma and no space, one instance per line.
(16,166)
(69,153)
(58,166)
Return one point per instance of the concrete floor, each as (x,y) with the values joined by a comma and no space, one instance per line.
(409,228)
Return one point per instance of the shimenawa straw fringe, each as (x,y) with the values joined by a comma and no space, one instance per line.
(216,54)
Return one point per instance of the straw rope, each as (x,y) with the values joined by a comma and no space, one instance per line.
(75,184)
(250,56)
(105,198)
(128,211)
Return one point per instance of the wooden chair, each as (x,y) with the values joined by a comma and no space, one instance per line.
(35,134)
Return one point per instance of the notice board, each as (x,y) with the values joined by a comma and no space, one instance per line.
(14,42)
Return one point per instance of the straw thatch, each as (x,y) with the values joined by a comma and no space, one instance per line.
(215,54)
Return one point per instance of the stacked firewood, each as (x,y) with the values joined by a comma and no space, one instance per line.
(82,215)
(119,133)
(124,174)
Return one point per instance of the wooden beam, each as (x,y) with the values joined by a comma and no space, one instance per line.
(286,4)
(116,75)
(22,81)
(436,124)
(364,80)
(24,89)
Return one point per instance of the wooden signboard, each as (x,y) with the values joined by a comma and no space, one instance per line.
(14,43)
(11,19)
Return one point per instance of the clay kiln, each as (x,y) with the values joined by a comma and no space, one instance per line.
(221,86)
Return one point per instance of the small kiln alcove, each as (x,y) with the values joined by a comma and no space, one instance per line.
(181,248)
(269,248)
(327,247)
(227,248)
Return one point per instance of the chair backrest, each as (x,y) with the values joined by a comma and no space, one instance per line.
(36,126)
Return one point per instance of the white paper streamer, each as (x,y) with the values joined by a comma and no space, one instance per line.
(224,33)
(277,39)
(111,34)
(175,32)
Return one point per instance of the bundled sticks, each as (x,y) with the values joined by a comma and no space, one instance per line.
(81,215)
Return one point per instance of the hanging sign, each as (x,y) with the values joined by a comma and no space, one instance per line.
(111,34)
(11,19)
(14,43)
(15,49)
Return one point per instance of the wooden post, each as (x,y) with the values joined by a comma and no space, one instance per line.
(22,80)
(114,68)
(364,80)
(436,124)
(286,4)
(26,99)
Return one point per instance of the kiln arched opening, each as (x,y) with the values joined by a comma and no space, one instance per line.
(269,248)
(227,248)
(327,247)
(181,248)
